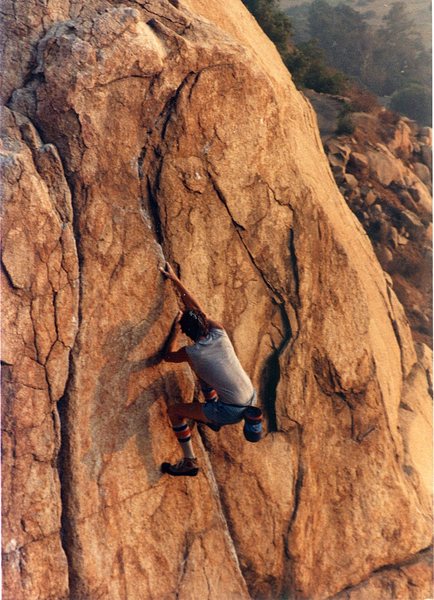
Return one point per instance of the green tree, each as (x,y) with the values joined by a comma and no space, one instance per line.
(414,101)
(309,69)
(275,24)
(344,36)
(399,57)
(305,62)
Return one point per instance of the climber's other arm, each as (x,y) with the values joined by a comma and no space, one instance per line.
(170,354)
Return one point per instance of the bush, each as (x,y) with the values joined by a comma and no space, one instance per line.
(325,81)
(309,69)
(273,21)
(362,100)
(415,102)
(345,124)
(389,117)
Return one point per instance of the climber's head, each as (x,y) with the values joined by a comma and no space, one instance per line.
(194,324)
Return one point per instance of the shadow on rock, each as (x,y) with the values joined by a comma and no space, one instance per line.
(121,410)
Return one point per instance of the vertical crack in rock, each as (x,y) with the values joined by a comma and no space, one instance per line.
(294,264)
(222,508)
(270,376)
(298,484)
(64,467)
(170,106)
(271,372)
(405,369)
(150,182)
(149,210)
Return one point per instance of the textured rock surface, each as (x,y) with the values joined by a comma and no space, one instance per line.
(411,580)
(39,283)
(181,136)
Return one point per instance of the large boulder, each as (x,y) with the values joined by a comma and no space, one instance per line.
(178,134)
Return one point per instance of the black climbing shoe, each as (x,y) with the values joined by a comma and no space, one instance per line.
(186,467)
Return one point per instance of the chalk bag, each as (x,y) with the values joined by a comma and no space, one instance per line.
(252,424)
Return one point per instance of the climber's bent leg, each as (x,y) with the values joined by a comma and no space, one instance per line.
(208,392)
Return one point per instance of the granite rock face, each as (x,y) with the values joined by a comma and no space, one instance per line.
(154,130)
(40,302)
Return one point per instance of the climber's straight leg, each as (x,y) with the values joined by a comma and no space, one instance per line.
(178,414)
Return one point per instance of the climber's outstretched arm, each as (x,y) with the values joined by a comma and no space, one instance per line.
(190,303)
(187,298)
(169,352)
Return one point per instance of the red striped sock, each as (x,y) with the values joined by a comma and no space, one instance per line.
(183,434)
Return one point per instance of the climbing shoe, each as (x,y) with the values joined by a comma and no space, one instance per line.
(186,467)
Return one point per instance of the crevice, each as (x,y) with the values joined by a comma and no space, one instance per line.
(64,473)
(395,327)
(221,197)
(222,507)
(183,567)
(294,262)
(63,461)
(8,277)
(64,470)
(149,207)
(170,105)
(184,24)
(297,489)
(425,553)
(148,203)
(124,78)
(270,376)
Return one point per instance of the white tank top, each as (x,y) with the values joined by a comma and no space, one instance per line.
(214,360)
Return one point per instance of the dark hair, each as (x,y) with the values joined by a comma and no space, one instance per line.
(194,324)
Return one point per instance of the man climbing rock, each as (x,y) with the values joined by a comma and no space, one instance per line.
(226,387)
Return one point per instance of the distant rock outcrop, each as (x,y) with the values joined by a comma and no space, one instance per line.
(142,131)
(384,171)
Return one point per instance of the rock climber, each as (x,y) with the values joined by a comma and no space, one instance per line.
(226,387)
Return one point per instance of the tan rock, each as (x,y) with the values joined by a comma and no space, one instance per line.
(182,136)
(420,195)
(351,181)
(338,151)
(426,155)
(370,198)
(412,125)
(39,285)
(359,161)
(384,254)
(426,132)
(417,418)
(410,581)
(338,159)
(412,221)
(384,167)
(402,143)
(423,172)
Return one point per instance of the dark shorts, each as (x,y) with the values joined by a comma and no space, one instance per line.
(225,414)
